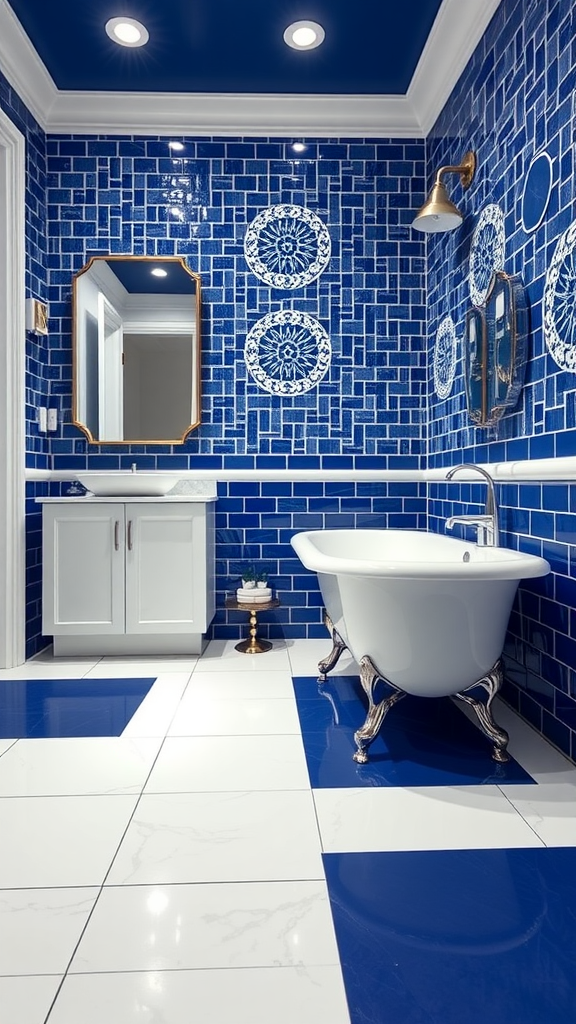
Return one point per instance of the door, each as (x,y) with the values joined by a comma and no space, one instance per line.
(166,568)
(83,578)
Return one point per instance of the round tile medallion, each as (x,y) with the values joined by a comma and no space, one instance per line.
(445,357)
(560,302)
(288,352)
(287,246)
(486,251)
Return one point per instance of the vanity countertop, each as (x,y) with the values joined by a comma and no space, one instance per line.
(122,500)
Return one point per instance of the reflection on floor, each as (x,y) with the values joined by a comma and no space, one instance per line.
(68,707)
(421,743)
(190,869)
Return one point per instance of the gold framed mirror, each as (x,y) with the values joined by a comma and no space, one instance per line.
(136,348)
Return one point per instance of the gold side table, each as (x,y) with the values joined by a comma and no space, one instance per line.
(253,645)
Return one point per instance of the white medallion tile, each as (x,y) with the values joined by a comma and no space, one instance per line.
(39,928)
(206,716)
(426,818)
(105,765)
(227,763)
(60,841)
(27,1000)
(220,837)
(175,927)
(286,995)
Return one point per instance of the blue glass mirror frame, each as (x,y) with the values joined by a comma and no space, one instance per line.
(495,350)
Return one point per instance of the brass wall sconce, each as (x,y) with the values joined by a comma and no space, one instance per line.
(439,212)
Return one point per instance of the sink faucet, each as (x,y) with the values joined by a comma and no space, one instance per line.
(487,525)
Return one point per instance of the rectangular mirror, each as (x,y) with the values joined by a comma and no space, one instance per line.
(136,350)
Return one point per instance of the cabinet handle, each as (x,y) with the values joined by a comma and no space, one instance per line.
(129,535)
(116,535)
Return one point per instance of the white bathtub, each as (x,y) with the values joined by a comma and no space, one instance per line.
(429,613)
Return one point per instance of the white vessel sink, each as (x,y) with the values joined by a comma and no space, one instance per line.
(125,484)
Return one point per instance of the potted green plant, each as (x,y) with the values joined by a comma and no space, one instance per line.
(249,578)
(262,580)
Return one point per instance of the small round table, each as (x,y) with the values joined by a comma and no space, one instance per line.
(253,645)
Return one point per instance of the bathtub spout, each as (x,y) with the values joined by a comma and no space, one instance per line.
(488,528)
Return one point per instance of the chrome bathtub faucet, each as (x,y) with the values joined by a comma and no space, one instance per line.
(488,532)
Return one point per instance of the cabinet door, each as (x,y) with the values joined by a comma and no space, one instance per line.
(166,568)
(83,577)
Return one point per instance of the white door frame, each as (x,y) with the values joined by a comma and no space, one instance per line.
(12,396)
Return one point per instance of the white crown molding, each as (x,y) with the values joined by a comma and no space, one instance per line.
(230,114)
(456,32)
(23,67)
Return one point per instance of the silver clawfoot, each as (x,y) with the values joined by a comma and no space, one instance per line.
(491,682)
(327,664)
(369,676)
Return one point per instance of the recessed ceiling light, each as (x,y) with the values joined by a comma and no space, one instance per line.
(176,146)
(127,32)
(158,272)
(304,35)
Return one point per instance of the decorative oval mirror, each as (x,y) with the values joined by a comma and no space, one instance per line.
(495,350)
(536,194)
(136,350)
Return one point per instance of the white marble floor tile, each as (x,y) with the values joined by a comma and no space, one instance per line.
(284,995)
(273,684)
(426,818)
(305,654)
(543,762)
(220,837)
(154,714)
(175,927)
(227,763)
(39,928)
(141,668)
(549,809)
(204,716)
(6,745)
(60,841)
(91,765)
(221,656)
(27,1000)
(48,667)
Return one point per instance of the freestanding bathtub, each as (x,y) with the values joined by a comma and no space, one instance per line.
(427,614)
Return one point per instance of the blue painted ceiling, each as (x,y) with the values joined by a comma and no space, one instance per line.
(222,46)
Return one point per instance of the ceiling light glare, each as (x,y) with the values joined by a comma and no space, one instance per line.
(176,146)
(158,272)
(299,147)
(304,35)
(127,32)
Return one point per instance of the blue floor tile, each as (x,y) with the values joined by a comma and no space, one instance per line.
(34,708)
(423,742)
(457,937)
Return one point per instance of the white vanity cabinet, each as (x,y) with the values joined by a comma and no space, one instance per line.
(127,576)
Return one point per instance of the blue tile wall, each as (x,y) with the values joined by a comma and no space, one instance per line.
(117,195)
(37,375)
(381,300)
(516,97)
